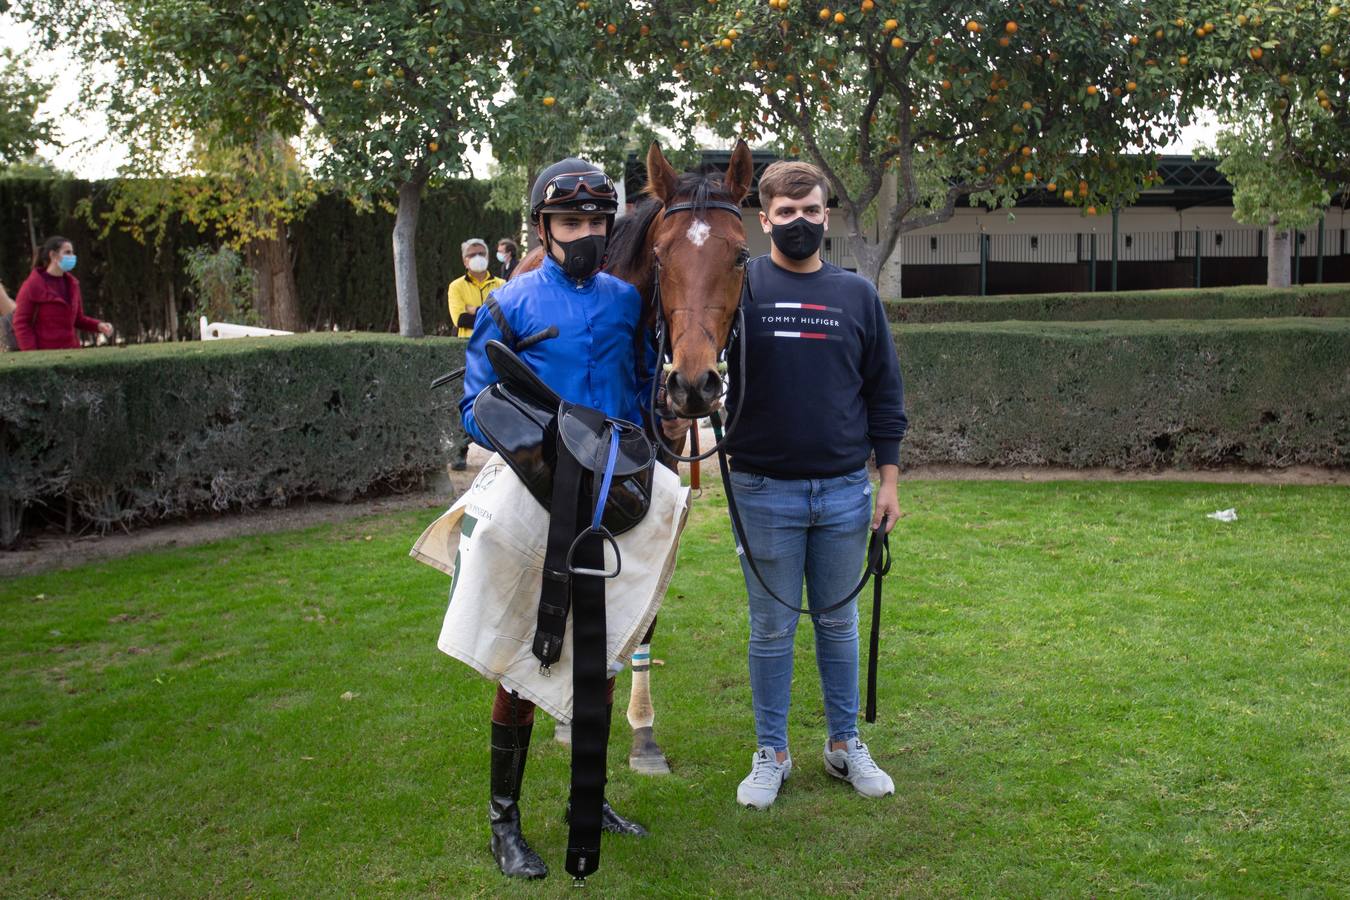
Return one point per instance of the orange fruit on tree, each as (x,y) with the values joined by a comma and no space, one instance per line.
(868,5)
(433,147)
(549,101)
(1029,177)
(891,25)
(839,18)
(1010,27)
(1092,90)
(974,27)
(612,29)
(1026,105)
(946,85)
(1068,194)
(1130,86)
(825,14)
(1051,187)
(897,42)
(1184,60)
(1004,41)
(1256,53)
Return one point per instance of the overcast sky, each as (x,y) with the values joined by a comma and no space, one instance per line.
(89,152)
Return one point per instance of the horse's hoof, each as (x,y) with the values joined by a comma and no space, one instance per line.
(646,756)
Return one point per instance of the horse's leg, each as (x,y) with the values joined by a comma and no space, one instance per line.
(646,756)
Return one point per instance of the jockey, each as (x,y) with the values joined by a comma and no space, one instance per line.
(590,360)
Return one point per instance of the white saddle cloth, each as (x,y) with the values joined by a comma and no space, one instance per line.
(497,572)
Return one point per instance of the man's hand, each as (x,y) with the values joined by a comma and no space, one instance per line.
(105,329)
(675,429)
(887,507)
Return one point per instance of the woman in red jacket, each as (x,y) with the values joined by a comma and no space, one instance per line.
(49,308)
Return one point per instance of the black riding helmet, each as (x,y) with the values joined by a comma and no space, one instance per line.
(575,185)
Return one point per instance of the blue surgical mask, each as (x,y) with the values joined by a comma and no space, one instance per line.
(501,257)
(67,262)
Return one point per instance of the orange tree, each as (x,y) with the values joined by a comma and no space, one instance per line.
(386,97)
(207,139)
(595,91)
(1288,64)
(1279,76)
(909,107)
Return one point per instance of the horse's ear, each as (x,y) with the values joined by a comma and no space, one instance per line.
(661,175)
(740,172)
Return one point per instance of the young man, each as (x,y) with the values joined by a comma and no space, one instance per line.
(590,361)
(823,395)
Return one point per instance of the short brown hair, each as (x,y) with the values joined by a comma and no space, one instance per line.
(790,179)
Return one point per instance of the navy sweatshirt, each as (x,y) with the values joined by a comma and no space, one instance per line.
(823,385)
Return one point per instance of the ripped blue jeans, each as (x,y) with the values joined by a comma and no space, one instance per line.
(812,531)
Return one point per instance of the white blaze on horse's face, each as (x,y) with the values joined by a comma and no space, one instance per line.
(698,232)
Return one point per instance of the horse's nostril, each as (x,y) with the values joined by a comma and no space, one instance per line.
(709,385)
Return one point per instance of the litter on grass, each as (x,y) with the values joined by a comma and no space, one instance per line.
(1225,515)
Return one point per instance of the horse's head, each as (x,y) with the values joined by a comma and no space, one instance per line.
(699,245)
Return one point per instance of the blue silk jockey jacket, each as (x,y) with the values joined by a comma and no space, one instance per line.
(590,362)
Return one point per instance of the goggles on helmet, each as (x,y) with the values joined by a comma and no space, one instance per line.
(567,187)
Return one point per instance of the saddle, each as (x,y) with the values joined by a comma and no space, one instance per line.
(525,420)
(593,474)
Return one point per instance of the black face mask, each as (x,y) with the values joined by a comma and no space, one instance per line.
(582,257)
(799,238)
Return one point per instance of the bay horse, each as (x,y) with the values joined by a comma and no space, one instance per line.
(684,250)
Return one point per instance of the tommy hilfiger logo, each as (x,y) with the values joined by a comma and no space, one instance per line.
(803,315)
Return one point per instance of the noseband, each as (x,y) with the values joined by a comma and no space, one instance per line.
(732,334)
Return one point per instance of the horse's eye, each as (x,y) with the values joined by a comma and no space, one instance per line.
(742,258)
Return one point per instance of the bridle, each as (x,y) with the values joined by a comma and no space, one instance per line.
(733,333)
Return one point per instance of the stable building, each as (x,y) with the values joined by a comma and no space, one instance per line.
(1180,233)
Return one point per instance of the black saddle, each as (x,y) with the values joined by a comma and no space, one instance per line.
(525,420)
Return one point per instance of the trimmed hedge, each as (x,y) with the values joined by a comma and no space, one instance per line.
(1130,395)
(1317,300)
(163,430)
(155,431)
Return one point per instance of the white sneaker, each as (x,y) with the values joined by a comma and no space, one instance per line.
(767,774)
(854,765)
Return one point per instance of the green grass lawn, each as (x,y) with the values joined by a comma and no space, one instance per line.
(1086,689)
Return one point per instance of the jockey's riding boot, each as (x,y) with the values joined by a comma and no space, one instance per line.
(610,821)
(510,744)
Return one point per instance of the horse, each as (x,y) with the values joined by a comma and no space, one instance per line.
(684,250)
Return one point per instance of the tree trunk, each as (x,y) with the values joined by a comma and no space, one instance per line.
(274,293)
(171,313)
(1278,249)
(405,257)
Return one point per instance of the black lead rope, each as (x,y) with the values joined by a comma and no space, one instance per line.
(878,564)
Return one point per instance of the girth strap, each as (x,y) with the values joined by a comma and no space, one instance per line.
(576,546)
(590,735)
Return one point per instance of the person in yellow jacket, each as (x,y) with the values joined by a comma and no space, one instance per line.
(468,293)
(464,297)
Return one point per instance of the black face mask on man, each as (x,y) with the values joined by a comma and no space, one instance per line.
(583,256)
(799,238)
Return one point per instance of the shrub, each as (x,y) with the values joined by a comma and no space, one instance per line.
(155,431)
(1267,392)
(1204,303)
